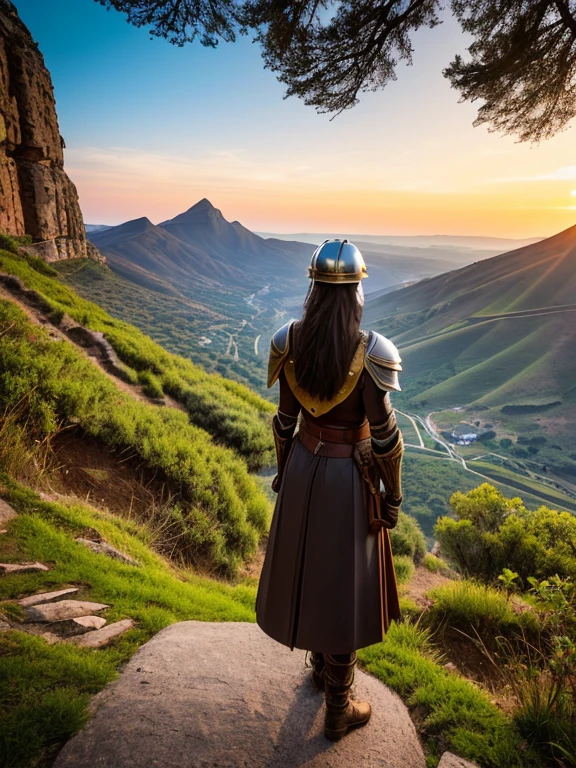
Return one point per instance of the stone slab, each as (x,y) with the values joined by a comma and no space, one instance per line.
(101,637)
(90,622)
(449,760)
(63,609)
(200,695)
(103,548)
(8,568)
(45,597)
(6,513)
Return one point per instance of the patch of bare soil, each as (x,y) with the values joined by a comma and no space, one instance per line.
(462,654)
(252,569)
(421,583)
(83,467)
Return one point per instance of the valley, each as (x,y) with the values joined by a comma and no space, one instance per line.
(474,339)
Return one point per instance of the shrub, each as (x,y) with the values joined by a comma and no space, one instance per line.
(9,243)
(470,607)
(151,385)
(435,564)
(407,538)
(40,265)
(493,533)
(404,568)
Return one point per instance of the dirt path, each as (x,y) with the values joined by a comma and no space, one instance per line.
(421,583)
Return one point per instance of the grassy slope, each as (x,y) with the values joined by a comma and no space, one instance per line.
(231,412)
(218,511)
(44,690)
(457,351)
(175,320)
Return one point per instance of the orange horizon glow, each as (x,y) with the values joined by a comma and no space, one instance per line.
(508,211)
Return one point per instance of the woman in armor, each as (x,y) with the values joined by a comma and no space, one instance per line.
(328,582)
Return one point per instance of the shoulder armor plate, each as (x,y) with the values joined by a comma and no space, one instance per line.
(383,362)
(279,350)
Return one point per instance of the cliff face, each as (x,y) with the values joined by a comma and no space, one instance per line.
(36,196)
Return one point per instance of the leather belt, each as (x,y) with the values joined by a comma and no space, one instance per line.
(331,441)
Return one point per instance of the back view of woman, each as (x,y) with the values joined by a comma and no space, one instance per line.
(328,583)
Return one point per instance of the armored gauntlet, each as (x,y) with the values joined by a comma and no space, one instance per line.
(387,450)
(283,427)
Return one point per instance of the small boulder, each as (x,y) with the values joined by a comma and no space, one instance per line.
(6,514)
(450,760)
(103,548)
(101,637)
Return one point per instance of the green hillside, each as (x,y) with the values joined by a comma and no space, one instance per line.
(499,335)
(194,464)
(178,322)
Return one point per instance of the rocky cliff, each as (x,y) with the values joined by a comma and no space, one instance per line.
(36,196)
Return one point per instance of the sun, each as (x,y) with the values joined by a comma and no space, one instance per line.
(573,193)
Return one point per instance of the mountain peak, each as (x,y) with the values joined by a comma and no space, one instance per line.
(203,210)
(137,225)
(204,203)
(202,206)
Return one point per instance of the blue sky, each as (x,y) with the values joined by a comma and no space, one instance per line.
(151,128)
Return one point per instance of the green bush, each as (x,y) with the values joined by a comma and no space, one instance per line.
(151,385)
(471,607)
(407,538)
(435,564)
(9,243)
(404,567)
(492,532)
(40,265)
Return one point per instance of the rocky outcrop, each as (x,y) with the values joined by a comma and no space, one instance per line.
(36,196)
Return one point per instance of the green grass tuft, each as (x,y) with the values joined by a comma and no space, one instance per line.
(457,715)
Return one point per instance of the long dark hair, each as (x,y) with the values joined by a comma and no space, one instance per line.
(326,338)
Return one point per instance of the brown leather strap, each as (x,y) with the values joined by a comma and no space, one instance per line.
(319,448)
(336,434)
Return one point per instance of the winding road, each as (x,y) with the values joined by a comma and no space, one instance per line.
(452,455)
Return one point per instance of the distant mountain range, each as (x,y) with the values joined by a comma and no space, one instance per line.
(200,245)
(481,243)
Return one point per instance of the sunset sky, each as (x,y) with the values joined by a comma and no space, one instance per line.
(151,128)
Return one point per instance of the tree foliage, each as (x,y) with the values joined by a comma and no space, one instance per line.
(491,533)
(521,64)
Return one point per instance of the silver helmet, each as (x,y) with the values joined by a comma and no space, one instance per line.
(337,261)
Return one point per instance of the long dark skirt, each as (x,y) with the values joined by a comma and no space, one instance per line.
(327,583)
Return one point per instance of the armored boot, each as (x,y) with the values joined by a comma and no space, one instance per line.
(342,713)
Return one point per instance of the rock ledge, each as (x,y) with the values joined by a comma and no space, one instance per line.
(226,695)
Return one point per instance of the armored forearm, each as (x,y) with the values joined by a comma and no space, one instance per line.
(387,450)
(283,426)
(389,463)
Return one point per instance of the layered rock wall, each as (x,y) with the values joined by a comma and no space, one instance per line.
(36,196)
